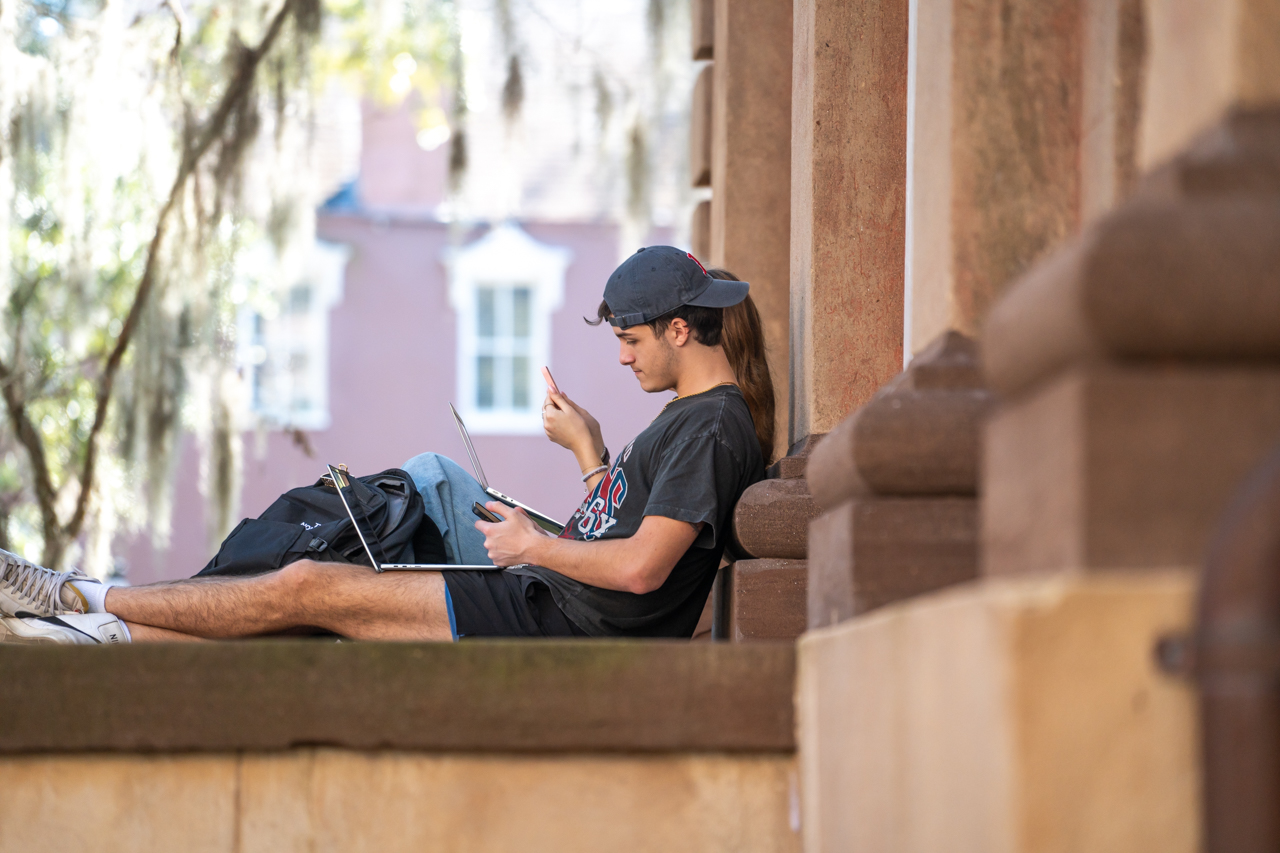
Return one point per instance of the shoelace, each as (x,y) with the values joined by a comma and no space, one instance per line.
(40,586)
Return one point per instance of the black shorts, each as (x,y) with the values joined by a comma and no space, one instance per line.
(501,604)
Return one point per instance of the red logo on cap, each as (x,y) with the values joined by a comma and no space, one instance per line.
(698,262)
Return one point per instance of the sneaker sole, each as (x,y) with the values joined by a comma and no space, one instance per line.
(10,638)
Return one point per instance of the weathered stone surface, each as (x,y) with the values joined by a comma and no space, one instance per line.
(1114,59)
(949,363)
(330,800)
(702,26)
(1016,144)
(1121,467)
(1015,716)
(488,696)
(766,599)
(793,465)
(158,803)
(700,132)
(869,552)
(789,468)
(772,519)
(848,205)
(919,435)
(700,230)
(751,169)
(996,151)
(1205,58)
(1189,268)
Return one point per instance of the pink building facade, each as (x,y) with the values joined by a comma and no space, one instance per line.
(398,325)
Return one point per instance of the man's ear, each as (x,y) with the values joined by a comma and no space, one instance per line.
(679,330)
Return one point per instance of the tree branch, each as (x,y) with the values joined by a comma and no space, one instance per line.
(29,438)
(240,88)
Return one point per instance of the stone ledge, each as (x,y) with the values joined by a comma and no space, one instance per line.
(489,696)
(1007,715)
(767,599)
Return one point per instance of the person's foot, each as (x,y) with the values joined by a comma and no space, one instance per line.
(71,629)
(30,590)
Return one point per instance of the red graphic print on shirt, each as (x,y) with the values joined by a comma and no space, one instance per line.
(598,511)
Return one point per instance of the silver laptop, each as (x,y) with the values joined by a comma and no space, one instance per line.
(546,522)
(342,482)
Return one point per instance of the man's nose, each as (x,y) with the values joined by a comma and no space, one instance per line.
(625,356)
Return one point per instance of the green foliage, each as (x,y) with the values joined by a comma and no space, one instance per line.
(139,161)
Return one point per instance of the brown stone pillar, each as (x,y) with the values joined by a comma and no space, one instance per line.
(1140,369)
(700,230)
(701,120)
(766,589)
(898,483)
(751,166)
(996,148)
(1205,58)
(848,174)
(1114,59)
(1137,372)
(702,28)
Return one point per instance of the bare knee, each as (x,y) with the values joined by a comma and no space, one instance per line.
(308,577)
(301,577)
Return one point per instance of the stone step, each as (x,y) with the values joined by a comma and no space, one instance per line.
(869,552)
(765,599)
(485,696)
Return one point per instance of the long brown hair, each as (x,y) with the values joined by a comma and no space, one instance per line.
(743,342)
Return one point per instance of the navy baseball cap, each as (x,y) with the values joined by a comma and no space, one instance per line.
(657,280)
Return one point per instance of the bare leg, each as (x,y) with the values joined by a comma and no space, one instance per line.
(348,600)
(150,634)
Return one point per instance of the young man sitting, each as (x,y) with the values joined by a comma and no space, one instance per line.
(637,558)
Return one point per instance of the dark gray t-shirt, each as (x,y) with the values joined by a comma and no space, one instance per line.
(691,464)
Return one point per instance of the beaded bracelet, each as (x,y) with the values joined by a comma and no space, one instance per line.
(592,473)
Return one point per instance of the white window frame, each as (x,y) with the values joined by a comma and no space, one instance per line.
(287,334)
(506,257)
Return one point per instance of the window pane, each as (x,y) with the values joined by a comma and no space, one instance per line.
(522,299)
(485,310)
(299,299)
(484,382)
(520,382)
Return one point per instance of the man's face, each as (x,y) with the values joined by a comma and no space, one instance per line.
(651,358)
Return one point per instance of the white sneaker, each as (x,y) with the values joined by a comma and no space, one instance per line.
(71,629)
(30,590)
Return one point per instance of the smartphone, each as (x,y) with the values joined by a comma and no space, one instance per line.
(551,383)
(484,514)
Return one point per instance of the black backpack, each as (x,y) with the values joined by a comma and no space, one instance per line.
(310,523)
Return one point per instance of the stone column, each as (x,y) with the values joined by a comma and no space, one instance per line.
(996,151)
(701,120)
(848,175)
(1205,58)
(1114,59)
(1138,373)
(751,166)
(702,28)
(700,230)
(898,482)
(1139,369)
(702,20)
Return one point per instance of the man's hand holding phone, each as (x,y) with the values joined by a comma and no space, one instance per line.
(550,380)
(571,426)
